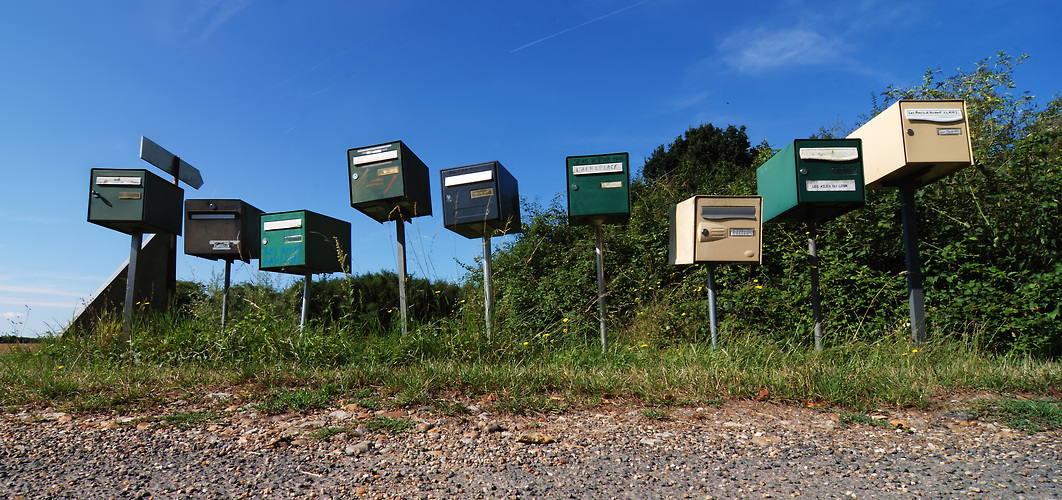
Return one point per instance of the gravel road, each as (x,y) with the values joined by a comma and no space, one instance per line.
(739,450)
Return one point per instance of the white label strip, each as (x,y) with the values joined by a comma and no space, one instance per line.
(949,131)
(117,181)
(611,185)
(829,154)
(939,115)
(374,157)
(598,168)
(457,180)
(273,225)
(837,185)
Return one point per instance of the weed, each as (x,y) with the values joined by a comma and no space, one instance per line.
(388,425)
(655,414)
(1028,415)
(189,419)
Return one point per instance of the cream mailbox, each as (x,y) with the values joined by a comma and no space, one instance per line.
(716,229)
(915,141)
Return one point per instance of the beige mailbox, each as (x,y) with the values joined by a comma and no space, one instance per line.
(915,141)
(716,229)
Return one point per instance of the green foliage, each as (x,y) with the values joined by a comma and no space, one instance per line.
(1028,415)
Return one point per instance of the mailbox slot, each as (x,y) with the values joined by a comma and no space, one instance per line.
(479,200)
(388,182)
(221,229)
(715,229)
(598,189)
(134,201)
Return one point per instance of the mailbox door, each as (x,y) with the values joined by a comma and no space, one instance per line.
(283,240)
(222,229)
(935,132)
(471,194)
(830,172)
(117,195)
(728,229)
(598,188)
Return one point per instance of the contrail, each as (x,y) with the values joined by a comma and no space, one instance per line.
(577,26)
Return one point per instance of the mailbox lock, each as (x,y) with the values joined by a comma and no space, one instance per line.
(265,241)
(803,171)
(213,206)
(910,131)
(354,176)
(575,187)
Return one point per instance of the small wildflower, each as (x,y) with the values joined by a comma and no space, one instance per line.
(759,287)
(437,291)
(525,343)
(645,345)
(565,320)
(914,350)
(60,367)
(462,301)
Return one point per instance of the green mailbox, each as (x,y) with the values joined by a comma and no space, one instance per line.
(599,189)
(812,180)
(134,201)
(303,242)
(388,182)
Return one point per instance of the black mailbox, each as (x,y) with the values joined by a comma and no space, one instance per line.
(221,229)
(480,200)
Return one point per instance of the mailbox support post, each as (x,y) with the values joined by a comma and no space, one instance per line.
(712,322)
(599,251)
(915,297)
(305,301)
(816,299)
(400,236)
(225,295)
(488,299)
(130,287)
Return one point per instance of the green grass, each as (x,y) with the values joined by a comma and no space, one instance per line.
(450,365)
(1029,415)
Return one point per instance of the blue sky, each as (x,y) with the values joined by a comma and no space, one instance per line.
(264,97)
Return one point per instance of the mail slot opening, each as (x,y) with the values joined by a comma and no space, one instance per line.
(728,213)
(212,216)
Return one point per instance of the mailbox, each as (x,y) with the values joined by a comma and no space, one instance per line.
(304,242)
(480,200)
(915,141)
(221,229)
(599,189)
(388,182)
(716,229)
(812,180)
(134,201)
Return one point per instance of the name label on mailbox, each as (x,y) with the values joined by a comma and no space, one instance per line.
(273,225)
(829,154)
(939,115)
(220,245)
(834,185)
(457,180)
(374,157)
(598,168)
(118,181)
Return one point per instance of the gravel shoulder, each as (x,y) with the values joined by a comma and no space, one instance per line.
(741,449)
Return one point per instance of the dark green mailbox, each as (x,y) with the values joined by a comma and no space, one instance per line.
(480,200)
(599,189)
(304,242)
(812,180)
(134,201)
(388,182)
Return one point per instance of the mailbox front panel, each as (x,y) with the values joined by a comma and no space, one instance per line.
(716,229)
(388,182)
(222,229)
(935,132)
(480,199)
(599,189)
(283,242)
(134,201)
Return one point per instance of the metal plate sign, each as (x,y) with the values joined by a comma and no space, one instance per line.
(159,157)
(939,115)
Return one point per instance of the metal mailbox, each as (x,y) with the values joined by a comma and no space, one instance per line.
(388,182)
(716,229)
(812,180)
(134,201)
(915,141)
(599,189)
(221,229)
(480,200)
(304,242)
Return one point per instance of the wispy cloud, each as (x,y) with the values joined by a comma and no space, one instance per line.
(36,290)
(764,49)
(594,20)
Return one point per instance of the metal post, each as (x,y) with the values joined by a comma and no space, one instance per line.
(915,298)
(400,231)
(816,300)
(711,307)
(488,298)
(305,301)
(599,251)
(130,287)
(225,295)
